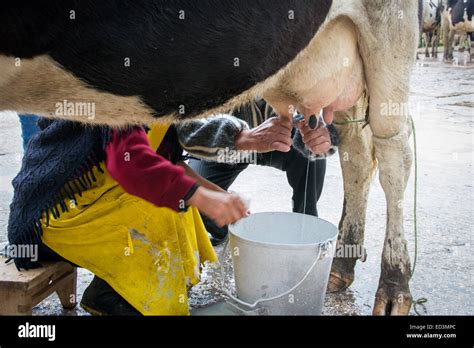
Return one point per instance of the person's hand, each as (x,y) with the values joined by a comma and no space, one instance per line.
(221,207)
(272,135)
(316,140)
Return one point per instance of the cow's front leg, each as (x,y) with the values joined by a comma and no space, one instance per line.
(358,165)
(471,46)
(394,159)
(434,46)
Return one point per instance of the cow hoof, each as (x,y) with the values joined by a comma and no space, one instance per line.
(391,300)
(339,281)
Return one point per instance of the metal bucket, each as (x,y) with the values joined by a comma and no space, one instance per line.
(281,263)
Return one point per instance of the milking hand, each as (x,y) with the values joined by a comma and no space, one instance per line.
(313,123)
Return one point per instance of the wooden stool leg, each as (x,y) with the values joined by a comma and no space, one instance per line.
(15,303)
(67,291)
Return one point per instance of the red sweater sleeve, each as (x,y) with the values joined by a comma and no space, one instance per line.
(143,173)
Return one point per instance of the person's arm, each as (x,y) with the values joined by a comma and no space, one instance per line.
(272,135)
(209,192)
(142,172)
(206,138)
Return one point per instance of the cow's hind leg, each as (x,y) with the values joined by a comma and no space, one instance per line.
(358,165)
(449,45)
(390,128)
(394,157)
(388,80)
(448,38)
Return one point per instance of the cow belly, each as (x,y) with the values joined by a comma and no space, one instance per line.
(40,86)
(464,27)
(328,75)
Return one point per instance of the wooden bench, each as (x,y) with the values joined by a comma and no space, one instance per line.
(21,291)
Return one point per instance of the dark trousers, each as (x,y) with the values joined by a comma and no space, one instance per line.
(292,162)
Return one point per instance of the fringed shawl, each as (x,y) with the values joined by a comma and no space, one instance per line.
(56,166)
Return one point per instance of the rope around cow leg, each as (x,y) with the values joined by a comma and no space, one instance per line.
(415,189)
(422,300)
(349,121)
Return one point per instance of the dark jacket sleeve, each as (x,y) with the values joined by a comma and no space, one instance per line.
(206,138)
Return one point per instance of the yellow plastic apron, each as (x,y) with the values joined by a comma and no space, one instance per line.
(149,255)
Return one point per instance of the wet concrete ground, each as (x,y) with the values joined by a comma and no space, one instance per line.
(442,97)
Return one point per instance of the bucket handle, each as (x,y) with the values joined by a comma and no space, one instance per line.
(324,247)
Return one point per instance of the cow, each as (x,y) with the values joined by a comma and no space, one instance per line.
(144,61)
(456,19)
(431,26)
